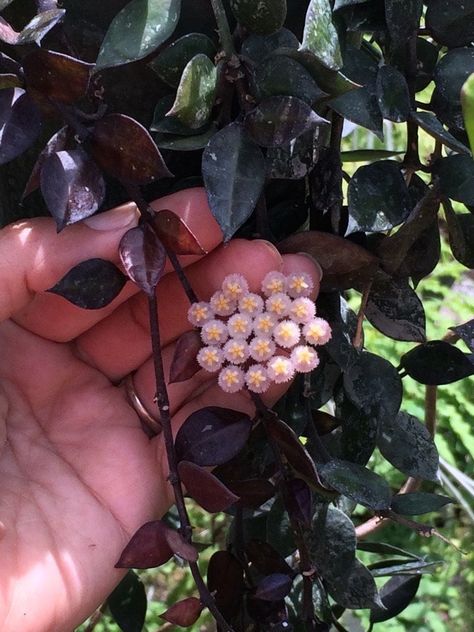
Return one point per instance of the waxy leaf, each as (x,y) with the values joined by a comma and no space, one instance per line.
(467,102)
(393,567)
(147,548)
(165,124)
(418,503)
(396,595)
(283,76)
(20,123)
(171,62)
(258,47)
(427,54)
(41,24)
(185,143)
(408,446)
(278,120)
(180,546)
(451,22)
(273,587)
(456,177)
(212,435)
(196,92)
(384,549)
(437,362)
(265,559)
(138,30)
(124,148)
(184,364)
(392,94)
(72,186)
(355,588)
(357,438)
(56,143)
(265,18)
(183,613)
(432,126)
(225,580)
(358,483)
(253,492)
(175,234)
(340,348)
(466,333)
(461,235)
(233,168)
(320,35)
(368,155)
(128,603)
(403,19)
(92,284)
(143,257)
(378,197)
(350,268)
(299,501)
(205,488)
(395,310)
(279,532)
(450,73)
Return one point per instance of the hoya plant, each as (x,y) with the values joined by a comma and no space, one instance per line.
(106,102)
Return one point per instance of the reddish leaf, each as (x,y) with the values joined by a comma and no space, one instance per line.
(20,123)
(143,257)
(184,364)
(175,235)
(273,587)
(212,435)
(56,76)
(124,148)
(56,143)
(205,488)
(72,186)
(265,559)
(148,547)
(225,579)
(183,613)
(180,546)
(252,492)
(345,264)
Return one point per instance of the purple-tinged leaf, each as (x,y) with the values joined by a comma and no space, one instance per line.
(396,595)
(184,363)
(183,613)
(20,123)
(124,148)
(128,603)
(252,492)
(175,234)
(72,186)
(265,559)
(92,284)
(418,503)
(273,587)
(212,435)
(437,362)
(41,24)
(8,33)
(56,143)
(180,546)
(147,548)
(143,257)
(466,333)
(278,120)
(225,580)
(299,501)
(205,488)
(10,80)
(57,76)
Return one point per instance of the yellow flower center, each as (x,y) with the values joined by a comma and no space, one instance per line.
(240,325)
(234,289)
(236,351)
(262,347)
(230,377)
(277,306)
(213,332)
(265,324)
(249,303)
(200,313)
(305,356)
(285,331)
(299,284)
(222,302)
(256,378)
(276,285)
(210,356)
(279,366)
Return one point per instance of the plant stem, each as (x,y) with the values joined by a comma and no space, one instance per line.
(358,337)
(165,417)
(178,268)
(223,28)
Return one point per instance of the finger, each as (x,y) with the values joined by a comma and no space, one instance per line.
(51,316)
(121,343)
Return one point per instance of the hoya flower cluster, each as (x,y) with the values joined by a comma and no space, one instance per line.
(253,340)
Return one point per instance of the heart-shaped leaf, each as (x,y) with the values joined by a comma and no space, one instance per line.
(273,587)
(212,435)
(92,284)
(147,548)
(267,18)
(320,35)
(143,256)
(408,446)
(128,603)
(56,76)
(56,143)
(278,120)
(358,483)
(124,148)
(205,488)
(183,613)
(466,333)
(418,503)
(184,364)
(437,362)
(396,595)
(20,123)
(72,186)
(138,30)
(233,168)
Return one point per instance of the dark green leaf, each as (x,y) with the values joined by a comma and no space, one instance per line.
(41,24)
(138,30)
(170,124)
(431,125)
(323,380)
(384,549)
(368,155)
(357,483)
(354,588)
(278,120)
(395,310)
(450,74)
(92,284)
(336,310)
(418,503)
(392,568)
(466,333)
(10,80)
(265,18)
(280,75)
(320,35)
(184,143)
(396,595)
(437,362)
(20,123)
(461,235)
(257,47)
(451,22)
(233,169)
(403,18)
(456,176)
(408,446)
(171,62)
(128,603)
(378,197)
(367,15)
(392,94)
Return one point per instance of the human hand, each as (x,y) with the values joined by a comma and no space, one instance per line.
(78,474)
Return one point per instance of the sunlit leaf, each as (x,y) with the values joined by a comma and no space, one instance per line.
(143,257)
(320,35)
(56,143)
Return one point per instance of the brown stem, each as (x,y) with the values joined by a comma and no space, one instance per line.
(178,268)
(95,619)
(225,35)
(358,337)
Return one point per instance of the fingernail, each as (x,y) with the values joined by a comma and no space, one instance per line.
(273,249)
(115,219)
(313,260)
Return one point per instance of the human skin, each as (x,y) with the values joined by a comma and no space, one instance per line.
(78,476)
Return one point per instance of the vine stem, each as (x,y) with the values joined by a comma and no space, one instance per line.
(223,27)
(162,401)
(358,337)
